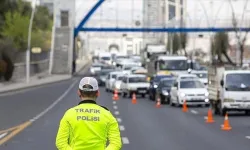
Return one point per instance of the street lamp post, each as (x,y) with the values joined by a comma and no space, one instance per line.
(29,41)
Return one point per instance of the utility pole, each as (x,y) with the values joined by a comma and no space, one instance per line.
(29,41)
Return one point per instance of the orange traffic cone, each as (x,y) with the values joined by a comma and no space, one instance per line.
(209,116)
(134,101)
(158,103)
(116,96)
(184,107)
(226,126)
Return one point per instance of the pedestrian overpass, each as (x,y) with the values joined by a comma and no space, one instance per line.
(64,37)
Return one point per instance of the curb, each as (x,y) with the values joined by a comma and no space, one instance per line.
(41,83)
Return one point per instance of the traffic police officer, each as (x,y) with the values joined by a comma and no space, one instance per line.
(88,125)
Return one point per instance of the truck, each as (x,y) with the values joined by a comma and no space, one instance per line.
(163,63)
(229,89)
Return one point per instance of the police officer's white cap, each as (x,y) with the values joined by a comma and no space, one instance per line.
(88,81)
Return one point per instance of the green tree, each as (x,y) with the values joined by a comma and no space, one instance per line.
(176,43)
(42,19)
(16,28)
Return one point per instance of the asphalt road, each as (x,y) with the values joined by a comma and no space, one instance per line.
(142,125)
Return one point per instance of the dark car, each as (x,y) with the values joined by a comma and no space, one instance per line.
(154,81)
(102,76)
(163,90)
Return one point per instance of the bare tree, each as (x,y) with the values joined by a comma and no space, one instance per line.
(219,47)
(240,39)
(183,42)
(176,43)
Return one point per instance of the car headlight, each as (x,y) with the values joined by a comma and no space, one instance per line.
(165,92)
(229,100)
(206,94)
(139,64)
(117,85)
(92,70)
(183,94)
(155,86)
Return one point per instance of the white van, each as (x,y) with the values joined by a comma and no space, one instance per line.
(105,57)
(229,90)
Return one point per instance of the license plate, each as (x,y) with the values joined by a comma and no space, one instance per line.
(143,91)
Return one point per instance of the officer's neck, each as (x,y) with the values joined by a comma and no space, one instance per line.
(88,98)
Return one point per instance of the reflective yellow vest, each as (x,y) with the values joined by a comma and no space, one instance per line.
(87,127)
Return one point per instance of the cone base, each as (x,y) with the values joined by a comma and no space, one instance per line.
(115,98)
(226,128)
(185,110)
(134,102)
(209,121)
(157,106)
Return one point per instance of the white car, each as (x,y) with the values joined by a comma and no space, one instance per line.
(193,91)
(134,83)
(126,69)
(186,76)
(111,79)
(95,68)
(202,75)
(117,83)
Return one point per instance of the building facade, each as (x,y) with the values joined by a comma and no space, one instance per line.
(49,4)
(161,14)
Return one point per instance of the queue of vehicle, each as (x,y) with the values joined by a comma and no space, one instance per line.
(177,79)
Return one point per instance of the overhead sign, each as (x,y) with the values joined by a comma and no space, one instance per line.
(36,50)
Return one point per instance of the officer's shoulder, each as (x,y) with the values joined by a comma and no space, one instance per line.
(104,107)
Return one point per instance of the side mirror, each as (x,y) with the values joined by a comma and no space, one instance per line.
(222,83)
(189,70)
(174,88)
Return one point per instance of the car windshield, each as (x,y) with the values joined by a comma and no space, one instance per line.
(107,67)
(127,68)
(173,65)
(120,78)
(191,84)
(195,66)
(201,75)
(121,57)
(105,58)
(104,73)
(237,82)
(167,83)
(137,79)
(114,76)
(157,79)
(96,65)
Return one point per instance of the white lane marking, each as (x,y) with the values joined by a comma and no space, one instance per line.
(119,119)
(125,140)
(248,137)
(114,102)
(122,128)
(115,107)
(117,112)
(205,117)
(55,102)
(194,111)
(3,135)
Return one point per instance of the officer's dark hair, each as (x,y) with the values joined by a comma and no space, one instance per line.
(86,93)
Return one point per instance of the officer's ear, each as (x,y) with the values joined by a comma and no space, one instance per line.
(98,93)
(79,93)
